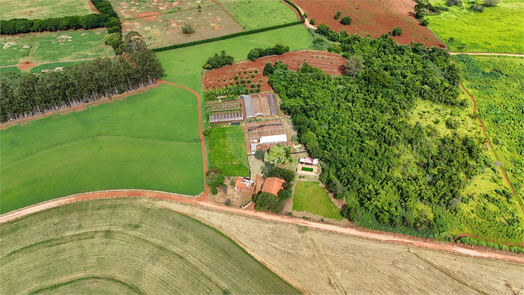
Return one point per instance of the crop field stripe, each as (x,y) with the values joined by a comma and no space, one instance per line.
(109,279)
(227,150)
(113,145)
(124,236)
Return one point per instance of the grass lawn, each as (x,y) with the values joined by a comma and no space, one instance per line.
(497,29)
(33,9)
(260,14)
(10,70)
(311,197)
(228,150)
(126,246)
(54,46)
(147,141)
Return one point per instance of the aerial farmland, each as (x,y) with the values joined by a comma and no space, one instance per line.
(261,147)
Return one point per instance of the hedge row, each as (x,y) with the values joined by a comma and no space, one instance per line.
(225,37)
(296,8)
(108,18)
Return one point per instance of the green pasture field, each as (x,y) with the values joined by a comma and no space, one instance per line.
(131,9)
(34,9)
(184,65)
(260,14)
(54,65)
(496,83)
(311,197)
(54,46)
(126,245)
(497,29)
(228,150)
(9,70)
(147,141)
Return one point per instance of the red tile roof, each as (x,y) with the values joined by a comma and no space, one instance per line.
(273,185)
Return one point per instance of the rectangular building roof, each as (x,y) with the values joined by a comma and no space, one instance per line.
(272,100)
(248,106)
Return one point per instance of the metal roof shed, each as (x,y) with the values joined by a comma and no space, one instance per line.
(272,100)
(248,106)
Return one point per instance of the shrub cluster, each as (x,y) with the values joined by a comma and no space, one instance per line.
(108,18)
(475,242)
(267,202)
(258,52)
(214,180)
(218,61)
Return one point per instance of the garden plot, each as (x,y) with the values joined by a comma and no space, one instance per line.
(227,150)
(251,72)
(372,17)
(53,46)
(166,29)
(41,9)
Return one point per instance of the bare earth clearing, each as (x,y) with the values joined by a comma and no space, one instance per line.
(372,17)
(329,63)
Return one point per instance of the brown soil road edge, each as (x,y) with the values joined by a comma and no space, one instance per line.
(205,204)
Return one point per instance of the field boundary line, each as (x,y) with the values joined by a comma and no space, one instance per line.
(488,53)
(200,202)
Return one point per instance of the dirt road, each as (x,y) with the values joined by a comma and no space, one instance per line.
(201,201)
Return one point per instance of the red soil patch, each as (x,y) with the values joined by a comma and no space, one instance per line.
(329,63)
(26,65)
(148,15)
(374,17)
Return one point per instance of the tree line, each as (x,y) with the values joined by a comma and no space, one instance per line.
(25,95)
(390,172)
(107,18)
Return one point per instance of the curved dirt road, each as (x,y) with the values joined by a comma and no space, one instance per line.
(201,201)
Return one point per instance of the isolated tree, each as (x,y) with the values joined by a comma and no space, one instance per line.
(187,29)
(491,3)
(313,22)
(346,20)
(397,31)
(259,154)
(451,40)
(276,155)
(354,64)
(199,8)
(337,15)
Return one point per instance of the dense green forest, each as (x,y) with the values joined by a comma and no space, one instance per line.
(394,175)
(25,94)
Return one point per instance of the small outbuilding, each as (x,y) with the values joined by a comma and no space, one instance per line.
(244,185)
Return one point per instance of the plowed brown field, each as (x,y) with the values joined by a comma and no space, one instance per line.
(329,63)
(374,17)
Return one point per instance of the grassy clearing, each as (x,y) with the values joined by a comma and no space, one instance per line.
(147,141)
(54,65)
(228,150)
(10,70)
(43,8)
(496,83)
(260,14)
(126,246)
(311,197)
(497,29)
(53,46)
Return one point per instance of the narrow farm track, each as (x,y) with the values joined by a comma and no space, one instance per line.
(491,147)
(487,53)
(202,202)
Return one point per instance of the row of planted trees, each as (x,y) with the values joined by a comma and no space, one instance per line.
(26,95)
